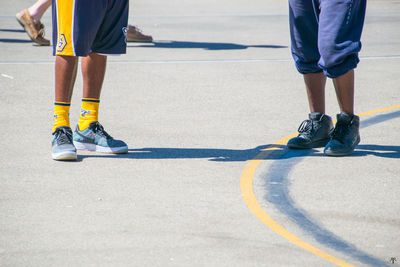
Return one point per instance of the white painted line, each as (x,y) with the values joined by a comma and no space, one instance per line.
(179,61)
(7,76)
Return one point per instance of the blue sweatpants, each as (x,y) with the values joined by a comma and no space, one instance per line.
(325,35)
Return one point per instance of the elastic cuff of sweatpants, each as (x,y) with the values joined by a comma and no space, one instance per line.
(307,68)
(349,64)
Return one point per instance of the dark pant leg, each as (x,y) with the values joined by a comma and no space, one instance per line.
(111,37)
(340,28)
(303,22)
(88,17)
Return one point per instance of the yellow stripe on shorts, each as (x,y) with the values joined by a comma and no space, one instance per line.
(65,20)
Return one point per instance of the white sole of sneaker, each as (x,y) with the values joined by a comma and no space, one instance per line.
(96,148)
(68,155)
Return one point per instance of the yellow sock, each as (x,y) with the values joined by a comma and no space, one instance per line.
(61,114)
(89,112)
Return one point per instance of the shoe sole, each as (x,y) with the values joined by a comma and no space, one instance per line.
(333,153)
(320,143)
(66,156)
(101,149)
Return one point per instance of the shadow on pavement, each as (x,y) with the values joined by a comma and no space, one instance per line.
(6,40)
(280,152)
(186,153)
(203,45)
(12,40)
(11,30)
(378,150)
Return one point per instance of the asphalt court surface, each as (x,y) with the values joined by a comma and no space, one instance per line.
(204,110)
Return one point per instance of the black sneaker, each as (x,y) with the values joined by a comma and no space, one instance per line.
(314,132)
(345,137)
(62,146)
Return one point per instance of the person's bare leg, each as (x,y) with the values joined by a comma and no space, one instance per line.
(315,87)
(344,86)
(65,72)
(93,72)
(309,135)
(346,135)
(38,8)
(66,69)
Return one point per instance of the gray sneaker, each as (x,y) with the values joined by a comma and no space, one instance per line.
(62,146)
(95,138)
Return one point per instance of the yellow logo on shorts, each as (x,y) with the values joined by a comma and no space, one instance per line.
(62,42)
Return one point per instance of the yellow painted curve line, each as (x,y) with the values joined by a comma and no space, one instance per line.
(246,187)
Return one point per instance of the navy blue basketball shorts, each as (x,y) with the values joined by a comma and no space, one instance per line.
(81,27)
